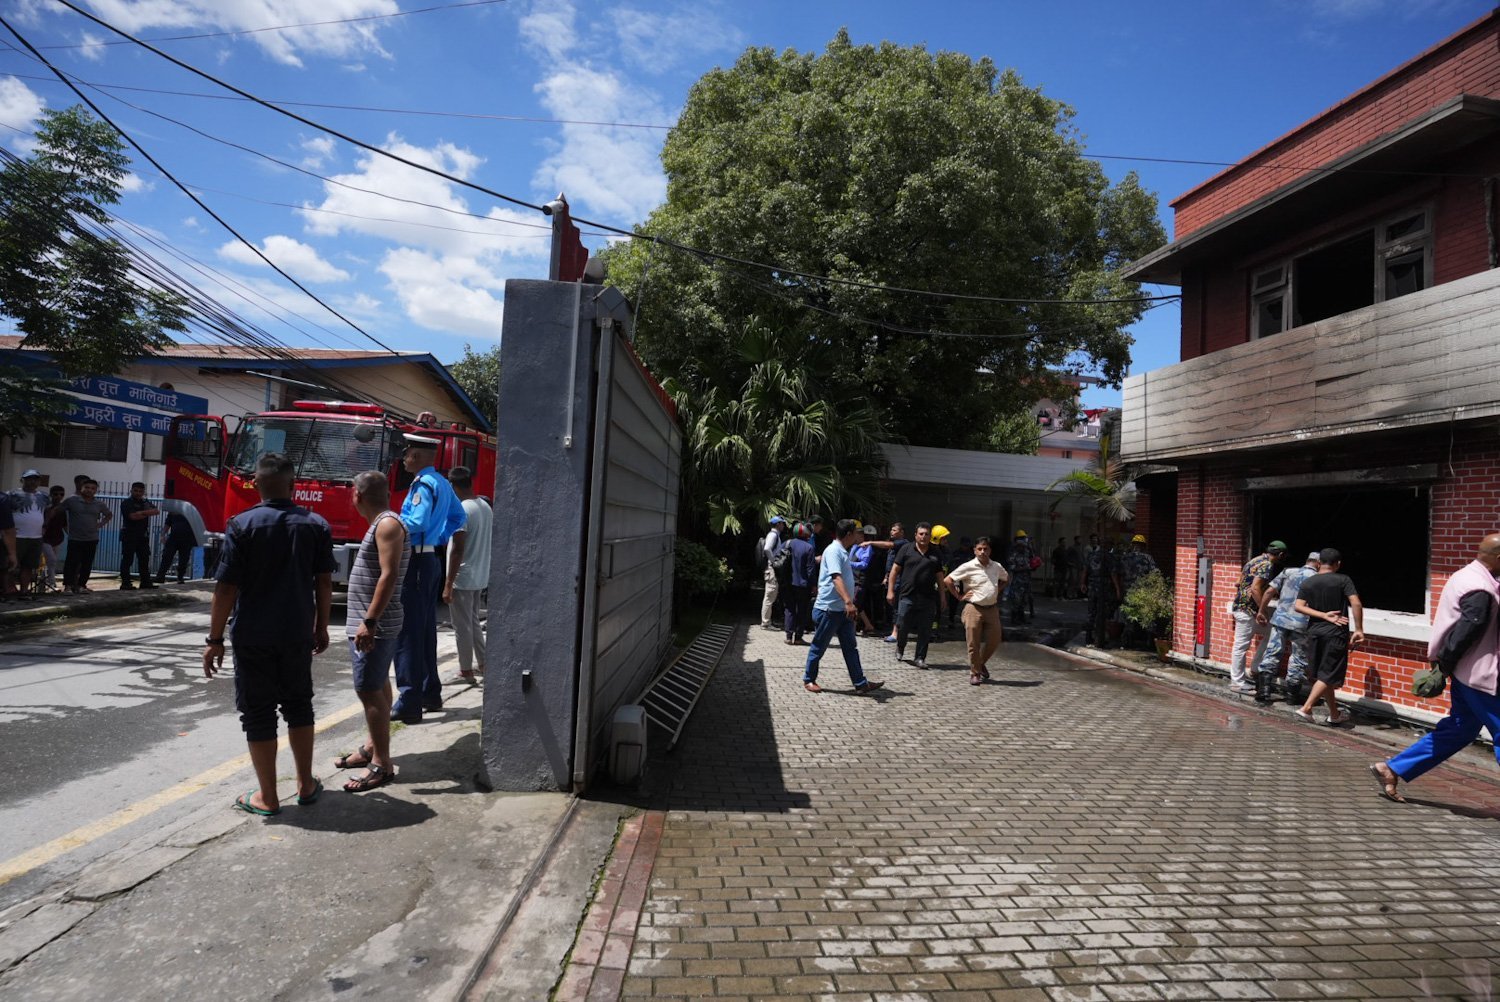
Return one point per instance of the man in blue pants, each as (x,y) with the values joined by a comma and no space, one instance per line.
(834,611)
(431,513)
(1464,634)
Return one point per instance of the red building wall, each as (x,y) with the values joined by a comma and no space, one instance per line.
(1467,63)
(1465,505)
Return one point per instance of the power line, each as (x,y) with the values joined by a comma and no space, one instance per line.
(653,126)
(287,27)
(183,188)
(683,248)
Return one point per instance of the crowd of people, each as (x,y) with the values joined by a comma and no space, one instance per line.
(901,588)
(49,538)
(272,604)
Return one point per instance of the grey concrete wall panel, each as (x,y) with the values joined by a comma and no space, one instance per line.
(920,464)
(585,520)
(635,548)
(542,478)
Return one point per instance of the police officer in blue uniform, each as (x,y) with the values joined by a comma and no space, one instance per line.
(431,513)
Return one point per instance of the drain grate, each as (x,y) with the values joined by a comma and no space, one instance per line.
(671,696)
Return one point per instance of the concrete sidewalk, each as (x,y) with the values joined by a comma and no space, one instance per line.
(403,892)
(1068,831)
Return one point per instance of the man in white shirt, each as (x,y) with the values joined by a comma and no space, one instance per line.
(983,582)
(468,576)
(770,546)
(27,506)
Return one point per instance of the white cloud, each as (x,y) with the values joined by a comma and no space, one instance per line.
(448,294)
(447,268)
(340,41)
(318,149)
(614,172)
(19,104)
(94,48)
(656,42)
(192,222)
(134,182)
(292,256)
(550,27)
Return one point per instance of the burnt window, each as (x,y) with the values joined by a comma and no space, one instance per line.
(1334,279)
(1268,312)
(1389,567)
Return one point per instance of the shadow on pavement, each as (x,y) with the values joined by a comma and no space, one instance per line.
(355,813)
(1463,811)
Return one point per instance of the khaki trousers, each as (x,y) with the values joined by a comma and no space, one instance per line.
(982,631)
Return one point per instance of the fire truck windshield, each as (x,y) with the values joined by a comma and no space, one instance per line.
(321,449)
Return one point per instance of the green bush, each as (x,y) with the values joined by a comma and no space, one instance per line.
(1148,604)
(699,573)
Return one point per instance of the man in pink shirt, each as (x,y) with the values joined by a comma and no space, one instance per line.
(1464,634)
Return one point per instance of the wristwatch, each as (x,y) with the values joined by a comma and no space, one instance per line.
(214,641)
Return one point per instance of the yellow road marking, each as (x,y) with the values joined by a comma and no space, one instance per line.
(94,830)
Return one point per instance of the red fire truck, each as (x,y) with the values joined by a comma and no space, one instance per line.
(211,464)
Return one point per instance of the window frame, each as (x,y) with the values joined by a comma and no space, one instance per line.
(1387,251)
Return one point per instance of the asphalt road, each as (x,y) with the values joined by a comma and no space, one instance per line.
(100,716)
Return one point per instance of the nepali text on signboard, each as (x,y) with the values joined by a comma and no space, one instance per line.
(126,391)
(103,415)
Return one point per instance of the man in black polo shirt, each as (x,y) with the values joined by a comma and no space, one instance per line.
(1331,604)
(136,514)
(276,575)
(921,568)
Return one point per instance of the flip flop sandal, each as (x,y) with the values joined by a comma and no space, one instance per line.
(312,798)
(243,803)
(976,680)
(346,761)
(374,778)
(1391,793)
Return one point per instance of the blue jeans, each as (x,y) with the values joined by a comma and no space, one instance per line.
(828,623)
(1471,711)
(418,687)
(1296,664)
(915,613)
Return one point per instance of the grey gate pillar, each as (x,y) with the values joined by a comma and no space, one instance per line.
(585,506)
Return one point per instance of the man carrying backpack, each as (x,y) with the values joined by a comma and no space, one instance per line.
(770,546)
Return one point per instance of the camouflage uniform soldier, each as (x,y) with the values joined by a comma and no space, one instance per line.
(1136,564)
(1018,562)
(1102,574)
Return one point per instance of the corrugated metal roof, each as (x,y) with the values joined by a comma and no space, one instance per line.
(922,464)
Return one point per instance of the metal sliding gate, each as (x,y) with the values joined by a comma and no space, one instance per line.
(632,526)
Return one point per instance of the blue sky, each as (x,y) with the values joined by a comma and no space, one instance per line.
(1203,80)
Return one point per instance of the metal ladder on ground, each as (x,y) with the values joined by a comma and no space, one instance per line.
(671,696)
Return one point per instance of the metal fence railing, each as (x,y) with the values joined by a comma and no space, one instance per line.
(107,556)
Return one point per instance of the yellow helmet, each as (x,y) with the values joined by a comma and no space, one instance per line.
(1021,534)
(939,532)
(1138,538)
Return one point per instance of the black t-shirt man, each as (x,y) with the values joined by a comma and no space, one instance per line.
(920,572)
(134,528)
(1327,593)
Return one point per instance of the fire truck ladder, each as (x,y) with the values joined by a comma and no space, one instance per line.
(671,696)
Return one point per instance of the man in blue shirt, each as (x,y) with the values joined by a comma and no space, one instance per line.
(432,513)
(834,611)
(275,574)
(1288,629)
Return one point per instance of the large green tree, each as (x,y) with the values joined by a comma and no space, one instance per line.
(68,287)
(888,166)
(478,372)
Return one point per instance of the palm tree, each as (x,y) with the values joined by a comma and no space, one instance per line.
(775,444)
(1104,482)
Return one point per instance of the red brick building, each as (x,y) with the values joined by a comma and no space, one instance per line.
(1340,335)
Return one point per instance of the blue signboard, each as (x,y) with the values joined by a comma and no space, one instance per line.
(143,394)
(102,415)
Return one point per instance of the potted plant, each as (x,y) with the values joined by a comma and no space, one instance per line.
(1149,605)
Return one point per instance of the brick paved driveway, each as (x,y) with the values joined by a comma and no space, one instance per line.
(1066,832)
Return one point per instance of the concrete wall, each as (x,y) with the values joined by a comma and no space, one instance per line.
(539,535)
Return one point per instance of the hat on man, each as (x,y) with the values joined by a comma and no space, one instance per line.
(939,533)
(1276,546)
(1021,534)
(870,530)
(1138,538)
(29,474)
(1314,556)
(420,441)
(777,520)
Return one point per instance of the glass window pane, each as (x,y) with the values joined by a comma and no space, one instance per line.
(1404,227)
(1405,275)
(1269,316)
